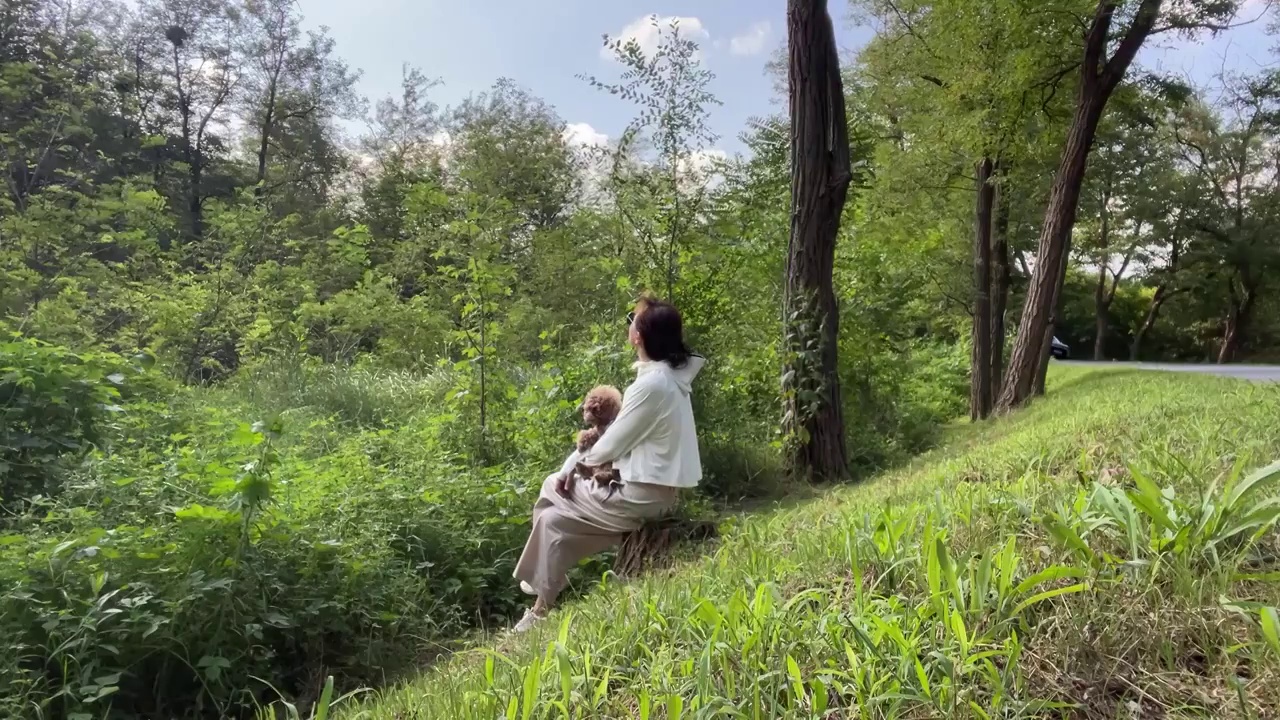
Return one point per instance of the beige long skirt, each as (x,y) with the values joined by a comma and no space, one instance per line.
(592,520)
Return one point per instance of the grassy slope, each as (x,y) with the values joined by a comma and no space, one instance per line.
(828,604)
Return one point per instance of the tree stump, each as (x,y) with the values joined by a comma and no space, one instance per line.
(651,545)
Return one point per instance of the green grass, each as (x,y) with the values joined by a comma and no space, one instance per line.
(1097,555)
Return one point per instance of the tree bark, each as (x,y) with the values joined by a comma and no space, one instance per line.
(999,284)
(1100,310)
(1148,321)
(190,153)
(264,140)
(1237,325)
(980,379)
(1051,256)
(1100,317)
(1046,346)
(820,177)
(1099,77)
(276,31)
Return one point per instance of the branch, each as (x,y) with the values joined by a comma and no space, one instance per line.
(1021,257)
(1115,277)
(1213,232)
(1096,39)
(1215,27)
(1053,83)
(906,24)
(943,292)
(1203,165)
(1143,21)
(298,113)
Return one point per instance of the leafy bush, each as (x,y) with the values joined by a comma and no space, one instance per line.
(364,395)
(53,405)
(368,522)
(231,556)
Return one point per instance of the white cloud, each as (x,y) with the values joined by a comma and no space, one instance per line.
(583,135)
(703,167)
(704,160)
(753,41)
(646,32)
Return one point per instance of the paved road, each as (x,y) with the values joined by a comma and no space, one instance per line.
(1256,373)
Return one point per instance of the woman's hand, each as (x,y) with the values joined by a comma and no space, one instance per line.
(564,485)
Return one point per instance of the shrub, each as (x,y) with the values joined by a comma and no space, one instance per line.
(362,528)
(53,404)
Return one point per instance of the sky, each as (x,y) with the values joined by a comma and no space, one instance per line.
(545,45)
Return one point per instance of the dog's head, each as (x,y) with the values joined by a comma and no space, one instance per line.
(601,406)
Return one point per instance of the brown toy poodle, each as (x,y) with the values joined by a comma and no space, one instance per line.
(599,410)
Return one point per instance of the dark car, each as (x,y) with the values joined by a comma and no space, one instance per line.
(1059,349)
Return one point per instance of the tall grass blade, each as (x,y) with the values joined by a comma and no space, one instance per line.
(1056,592)
(1238,493)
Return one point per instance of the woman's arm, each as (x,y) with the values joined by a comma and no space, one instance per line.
(640,409)
(564,478)
(570,462)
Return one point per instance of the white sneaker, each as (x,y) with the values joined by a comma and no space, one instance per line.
(527,589)
(528,622)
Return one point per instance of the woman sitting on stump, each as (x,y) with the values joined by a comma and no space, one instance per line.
(652,444)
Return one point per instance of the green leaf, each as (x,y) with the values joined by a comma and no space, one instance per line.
(1067,536)
(1041,597)
(1049,574)
(1270,627)
(1246,486)
(196,511)
(1150,500)
(326,700)
(797,680)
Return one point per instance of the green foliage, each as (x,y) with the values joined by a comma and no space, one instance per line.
(55,406)
(659,172)
(941,589)
(366,363)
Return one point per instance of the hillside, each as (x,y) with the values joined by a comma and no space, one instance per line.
(1101,551)
(298,307)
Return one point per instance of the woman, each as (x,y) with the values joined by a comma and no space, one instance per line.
(652,443)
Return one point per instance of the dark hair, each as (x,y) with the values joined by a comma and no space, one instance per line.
(662,332)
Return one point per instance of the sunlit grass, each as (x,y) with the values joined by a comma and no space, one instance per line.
(1103,554)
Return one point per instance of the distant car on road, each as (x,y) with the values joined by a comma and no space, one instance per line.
(1059,349)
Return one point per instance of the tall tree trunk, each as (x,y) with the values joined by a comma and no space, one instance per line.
(1100,316)
(1148,321)
(1098,79)
(999,282)
(820,176)
(1238,318)
(980,394)
(264,140)
(195,204)
(190,154)
(1046,346)
(1100,309)
(1051,255)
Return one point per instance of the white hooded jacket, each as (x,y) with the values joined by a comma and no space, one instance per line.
(653,440)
